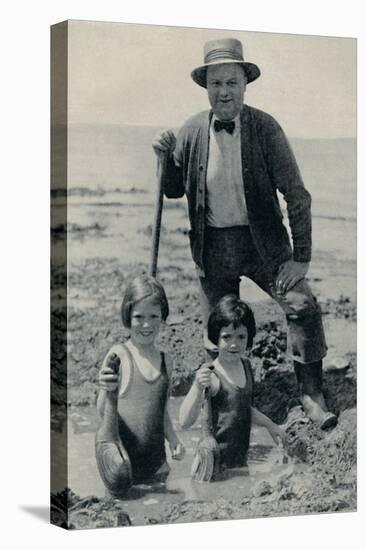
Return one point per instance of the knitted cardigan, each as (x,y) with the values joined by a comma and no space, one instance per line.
(268,166)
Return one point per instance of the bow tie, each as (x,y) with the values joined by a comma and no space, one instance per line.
(221,125)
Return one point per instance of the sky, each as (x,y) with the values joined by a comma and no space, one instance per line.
(140,75)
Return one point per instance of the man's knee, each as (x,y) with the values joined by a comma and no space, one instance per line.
(301,304)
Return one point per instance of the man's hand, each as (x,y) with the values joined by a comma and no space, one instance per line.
(164,143)
(289,274)
(109,374)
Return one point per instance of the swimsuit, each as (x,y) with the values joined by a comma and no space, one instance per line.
(141,422)
(231,418)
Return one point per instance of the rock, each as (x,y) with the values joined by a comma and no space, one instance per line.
(263,488)
(123,519)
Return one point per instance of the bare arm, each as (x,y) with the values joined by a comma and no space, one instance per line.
(101,403)
(176,447)
(192,404)
(260,419)
(169,432)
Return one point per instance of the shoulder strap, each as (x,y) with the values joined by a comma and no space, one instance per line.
(247,366)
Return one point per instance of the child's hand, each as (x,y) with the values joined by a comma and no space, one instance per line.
(203,376)
(109,374)
(278,434)
(177,451)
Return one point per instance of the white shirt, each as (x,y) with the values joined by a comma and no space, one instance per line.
(225,204)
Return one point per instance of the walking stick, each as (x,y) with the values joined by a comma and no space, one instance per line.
(157,218)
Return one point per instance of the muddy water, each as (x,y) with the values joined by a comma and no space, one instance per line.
(147,500)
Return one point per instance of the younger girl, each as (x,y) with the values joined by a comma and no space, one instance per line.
(231,327)
(132,402)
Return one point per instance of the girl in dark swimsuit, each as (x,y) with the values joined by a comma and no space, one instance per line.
(231,327)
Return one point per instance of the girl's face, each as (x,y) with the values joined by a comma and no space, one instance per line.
(232,342)
(145,322)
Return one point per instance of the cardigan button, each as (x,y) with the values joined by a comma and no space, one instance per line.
(201,167)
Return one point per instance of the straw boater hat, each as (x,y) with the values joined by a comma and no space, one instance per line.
(227,50)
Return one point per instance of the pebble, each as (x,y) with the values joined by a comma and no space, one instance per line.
(262,489)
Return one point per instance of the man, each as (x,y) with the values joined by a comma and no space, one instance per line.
(230,162)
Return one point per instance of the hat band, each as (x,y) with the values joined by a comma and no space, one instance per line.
(222,54)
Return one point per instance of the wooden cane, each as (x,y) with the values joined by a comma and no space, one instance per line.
(157,217)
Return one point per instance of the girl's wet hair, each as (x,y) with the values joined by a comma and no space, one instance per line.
(143,286)
(230,310)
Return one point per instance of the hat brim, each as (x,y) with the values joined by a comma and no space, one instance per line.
(199,75)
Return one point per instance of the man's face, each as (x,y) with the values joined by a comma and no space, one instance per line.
(226,85)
